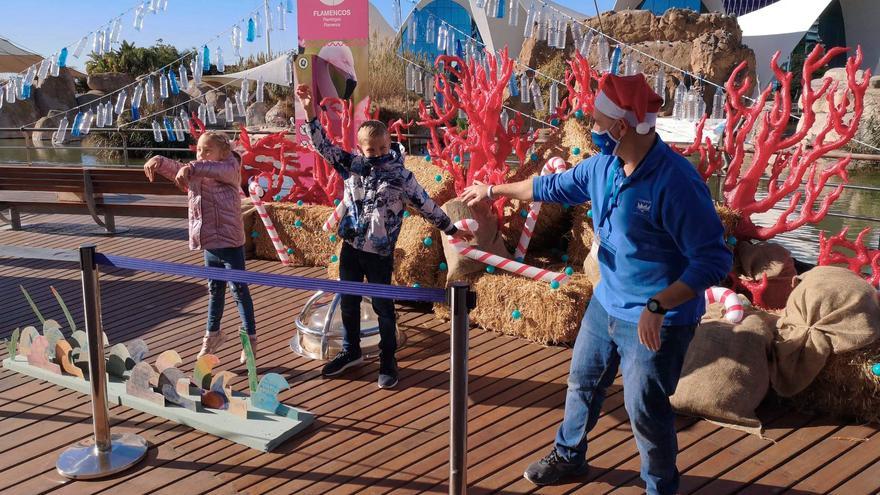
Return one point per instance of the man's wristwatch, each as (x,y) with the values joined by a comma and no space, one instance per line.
(655,307)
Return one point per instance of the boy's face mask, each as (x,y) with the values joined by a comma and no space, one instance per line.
(606,143)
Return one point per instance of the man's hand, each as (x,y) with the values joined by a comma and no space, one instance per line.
(150,168)
(182,178)
(463,235)
(475,193)
(649,329)
(304,93)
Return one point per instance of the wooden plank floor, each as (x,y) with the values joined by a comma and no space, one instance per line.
(365,440)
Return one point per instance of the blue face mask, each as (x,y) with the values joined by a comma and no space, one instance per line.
(607,145)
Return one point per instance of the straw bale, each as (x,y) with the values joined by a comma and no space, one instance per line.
(426,174)
(846,387)
(577,134)
(552,224)
(311,245)
(581,236)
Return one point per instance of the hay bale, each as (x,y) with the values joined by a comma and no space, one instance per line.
(548,316)
(553,223)
(426,174)
(414,262)
(581,236)
(846,387)
(311,245)
(577,134)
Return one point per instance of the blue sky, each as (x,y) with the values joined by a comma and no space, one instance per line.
(185,24)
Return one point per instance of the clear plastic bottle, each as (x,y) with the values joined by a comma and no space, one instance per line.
(157,131)
(221,66)
(228,111)
(116,32)
(99,115)
(150,91)
(86,125)
(43,70)
(61,134)
(233,40)
(106,40)
(54,69)
(288,70)
(139,14)
(586,44)
(718,103)
(679,101)
(505,119)
(80,46)
(408,78)
(430,29)
(240,104)
(184,76)
(554,98)
(562,34)
(525,89)
(267,13)
(282,20)
(537,97)
(203,112)
(97,42)
(513,13)
(120,102)
(660,83)
(258,23)
(212,115)
(602,49)
(179,133)
(529,27)
(163,85)
(261,89)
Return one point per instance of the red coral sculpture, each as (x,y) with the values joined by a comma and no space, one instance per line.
(861,258)
(581,80)
(780,156)
(478,151)
(711,159)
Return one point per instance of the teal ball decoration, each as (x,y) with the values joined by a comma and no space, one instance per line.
(579,114)
(406,214)
(569,271)
(534,157)
(416,286)
(456,159)
(332,237)
(336,202)
(589,213)
(575,151)
(443,267)
(298,224)
(490,269)
(519,259)
(428,241)
(731,240)
(255,234)
(554,122)
(438,178)
(516,314)
(565,206)
(565,258)
(876,369)
(334,258)
(299,203)
(523,213)
(289,250)
(427,158)
(277,197)
(554,285)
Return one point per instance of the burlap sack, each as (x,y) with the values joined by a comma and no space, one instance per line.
(753,261)
(488,238)
(726,371)
(832,310)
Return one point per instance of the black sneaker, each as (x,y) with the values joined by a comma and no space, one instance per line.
(553,468)
(388,374)
(341,362)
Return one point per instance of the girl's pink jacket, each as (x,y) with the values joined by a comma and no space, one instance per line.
(214,202)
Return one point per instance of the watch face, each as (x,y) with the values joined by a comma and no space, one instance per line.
(653,306)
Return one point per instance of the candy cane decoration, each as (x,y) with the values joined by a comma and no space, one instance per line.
(257,193)
(733,308)
(471,225)
(554,165)
(333,220)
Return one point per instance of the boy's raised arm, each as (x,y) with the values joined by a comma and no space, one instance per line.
(336,156)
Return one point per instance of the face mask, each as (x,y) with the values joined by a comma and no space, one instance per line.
(607,145)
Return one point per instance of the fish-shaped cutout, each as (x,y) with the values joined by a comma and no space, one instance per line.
(225,378)
(138,384)
(39,355)
(168,359)
(26,339)
(52,332)
(266,396)
(249,360)
(82,339)
(62,356)
(168,384)
(117,358)
(202,371)
(216,398)
(12,344)
(78,339)
(137,351)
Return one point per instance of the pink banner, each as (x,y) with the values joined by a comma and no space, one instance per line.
(333,19)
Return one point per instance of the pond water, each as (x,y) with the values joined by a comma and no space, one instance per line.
(803,243)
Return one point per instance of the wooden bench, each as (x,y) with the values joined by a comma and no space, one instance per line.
(100,192)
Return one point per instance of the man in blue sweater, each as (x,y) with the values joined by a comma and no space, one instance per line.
(660,246)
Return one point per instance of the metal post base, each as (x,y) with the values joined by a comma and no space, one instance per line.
(82,461)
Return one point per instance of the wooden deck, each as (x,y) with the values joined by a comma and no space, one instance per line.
(364,440)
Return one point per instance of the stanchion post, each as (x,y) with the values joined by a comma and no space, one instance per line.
(105,454)
(461,301)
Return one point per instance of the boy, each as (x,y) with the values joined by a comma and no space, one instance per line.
(377,186)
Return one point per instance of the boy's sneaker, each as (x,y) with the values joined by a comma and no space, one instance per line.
(211,343)
(388,374)
(342,361)
(553,468)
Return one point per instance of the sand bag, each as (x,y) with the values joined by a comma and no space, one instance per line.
(726,371)
(753,261)
(488,238)
(831,311)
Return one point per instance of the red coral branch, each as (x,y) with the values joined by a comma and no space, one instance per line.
(862,256)
(711,159)
(580,80)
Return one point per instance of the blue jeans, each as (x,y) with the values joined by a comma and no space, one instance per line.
(229,258)
(649,378)
(354,265)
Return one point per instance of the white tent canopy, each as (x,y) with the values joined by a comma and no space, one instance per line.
(273,72)
(779,26)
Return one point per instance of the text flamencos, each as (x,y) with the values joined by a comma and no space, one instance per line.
(330,13)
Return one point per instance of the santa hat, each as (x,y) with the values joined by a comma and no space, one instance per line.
(629,98)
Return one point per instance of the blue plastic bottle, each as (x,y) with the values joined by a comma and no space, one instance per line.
(62,59)
(169,130)
(615,60)
(172,78)
(252,30)
(74,129)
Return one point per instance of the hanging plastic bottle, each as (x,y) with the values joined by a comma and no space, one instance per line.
(184,76)
(548,33)
(525,94)
(61,134)
(602,48)
(251,30)
(562,34)
(62,58)
(120,102)
(258,24)
(586,44)
(29,81)
(441,31)
(221,65)
(106,40)
(513,13)
(54,69)
(240,105)
(138,23)
(12,90)
(149,91)
(701,107)
(288,70)
(541,23)
(420,77)
(268,16)
(157,131)
(97,42)
(408,77)
(172,83)
(530,20)
(164,5)
(660,83)
(504,119)
(228,111)
(245,90)
(169,130)
(634,66)
(512,88)
(212,115)
(196,68)
(718,102)
(86,125)
(615,60)
(116,32)
(179,133)
(163,85)
(678,103)
(206,58)
(282,19)
(154,6)
(43,71)
(412,29)
(77,121)
(261,86)
(491,8)
(430,29)
(80,46)
(537,97)
(480,4)
(554,98)
(577,32)
(202,112)
(289,6)
(99,115)
(624,64)
(450,43)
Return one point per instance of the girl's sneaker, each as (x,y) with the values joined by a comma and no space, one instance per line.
(211,343)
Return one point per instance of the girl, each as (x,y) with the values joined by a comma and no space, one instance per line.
(215,225)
